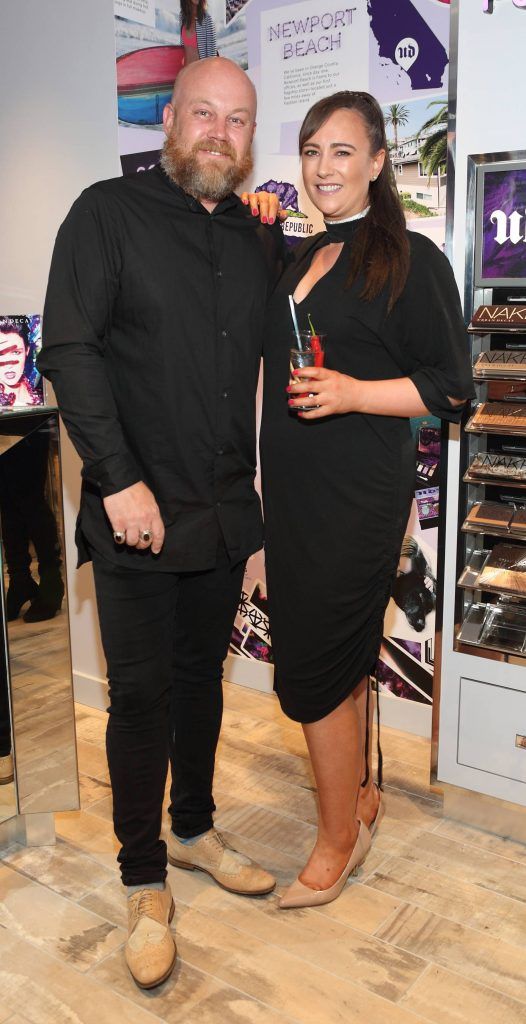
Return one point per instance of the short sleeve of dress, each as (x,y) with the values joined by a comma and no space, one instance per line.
(426,335)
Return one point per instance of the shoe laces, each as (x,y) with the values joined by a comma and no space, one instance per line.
(215,838)
(143,903)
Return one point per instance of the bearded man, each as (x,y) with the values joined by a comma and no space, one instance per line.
(152,339)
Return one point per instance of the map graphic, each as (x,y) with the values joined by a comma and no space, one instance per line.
(406,46)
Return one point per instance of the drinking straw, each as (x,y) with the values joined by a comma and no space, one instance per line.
(295,322)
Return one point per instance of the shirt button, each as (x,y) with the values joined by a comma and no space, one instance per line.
(220,451)
(218,504)
(219,273)
(224,394)
(224,334)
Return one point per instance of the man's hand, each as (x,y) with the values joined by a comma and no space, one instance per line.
(264,205)
(133,511)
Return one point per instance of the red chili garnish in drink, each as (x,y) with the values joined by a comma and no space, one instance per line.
(315,345)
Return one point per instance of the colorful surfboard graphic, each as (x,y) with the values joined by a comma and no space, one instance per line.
(145,81)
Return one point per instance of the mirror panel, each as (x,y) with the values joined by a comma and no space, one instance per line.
(7,784)
(35,613)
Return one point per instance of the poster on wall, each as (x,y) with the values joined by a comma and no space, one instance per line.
(500,222)
(20,342)
(295,53)
(149,56)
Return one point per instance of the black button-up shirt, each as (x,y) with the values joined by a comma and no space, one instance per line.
(152,339)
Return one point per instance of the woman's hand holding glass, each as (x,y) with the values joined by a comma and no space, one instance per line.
(333,393)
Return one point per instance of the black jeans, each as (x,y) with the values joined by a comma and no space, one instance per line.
(165,636)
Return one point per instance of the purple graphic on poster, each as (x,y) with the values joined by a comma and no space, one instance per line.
(412,646)
(504,225)
(405,42)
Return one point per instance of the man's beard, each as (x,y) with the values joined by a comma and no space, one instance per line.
(204,179)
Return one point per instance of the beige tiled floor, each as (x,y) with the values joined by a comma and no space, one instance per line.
(433,929)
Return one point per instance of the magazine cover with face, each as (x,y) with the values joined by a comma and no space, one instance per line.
(20,342)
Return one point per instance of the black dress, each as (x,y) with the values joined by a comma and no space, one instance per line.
(337,491)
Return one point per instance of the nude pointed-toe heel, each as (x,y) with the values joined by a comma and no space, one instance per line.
(300,895)
(379,814)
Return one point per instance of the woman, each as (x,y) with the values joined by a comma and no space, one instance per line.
(197,31)
(338,480)
(16,362)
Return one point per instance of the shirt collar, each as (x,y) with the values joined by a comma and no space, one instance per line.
(230,202)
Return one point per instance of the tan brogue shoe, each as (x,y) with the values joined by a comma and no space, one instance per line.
(230,869)
(7,771)
(150,950)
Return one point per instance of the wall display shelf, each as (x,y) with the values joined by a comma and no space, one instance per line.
(496,518)
(498,418)
(499,627)
(492,582)
(499,570)
(493,499)
(490,469)
(500,364)
(491,552)
(507,319)
(471,572)
(482,666)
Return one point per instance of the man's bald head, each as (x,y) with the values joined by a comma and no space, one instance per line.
(209,127)
(221,75)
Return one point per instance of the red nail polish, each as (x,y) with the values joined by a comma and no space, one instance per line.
(288,389)
(271,220)
(263,220)
(255,212)
(291,401)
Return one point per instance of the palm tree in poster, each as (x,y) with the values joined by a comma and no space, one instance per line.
(433,153)
(397,115)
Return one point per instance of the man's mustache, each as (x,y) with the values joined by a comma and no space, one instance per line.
(220,147)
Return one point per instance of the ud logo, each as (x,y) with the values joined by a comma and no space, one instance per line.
(509,228)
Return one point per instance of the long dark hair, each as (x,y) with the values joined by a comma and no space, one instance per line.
(380,248)
(187,10)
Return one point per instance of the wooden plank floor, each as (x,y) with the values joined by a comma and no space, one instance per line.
(433,929)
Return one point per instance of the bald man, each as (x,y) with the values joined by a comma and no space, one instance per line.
(152,340)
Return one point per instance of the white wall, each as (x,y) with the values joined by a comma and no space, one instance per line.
(58,135)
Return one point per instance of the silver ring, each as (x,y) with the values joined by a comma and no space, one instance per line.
(119,536)
(145,536)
